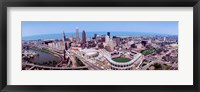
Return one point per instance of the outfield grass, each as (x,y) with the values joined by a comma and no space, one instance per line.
(149,51)
(121,59)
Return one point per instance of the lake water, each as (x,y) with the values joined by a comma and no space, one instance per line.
(88,35)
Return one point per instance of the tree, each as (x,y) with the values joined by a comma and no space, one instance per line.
(157,66)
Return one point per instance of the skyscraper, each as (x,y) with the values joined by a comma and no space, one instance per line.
(64,41)
(71,38)
(111,44)
(108,34)
(164,39)
(117,39)
(64,37)
(77,35)
(95,35)
(107,39)
(65,47)
(83,37)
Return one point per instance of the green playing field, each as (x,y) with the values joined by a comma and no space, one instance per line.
(120,59)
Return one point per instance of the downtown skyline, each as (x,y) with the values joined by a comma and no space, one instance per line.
(108,46)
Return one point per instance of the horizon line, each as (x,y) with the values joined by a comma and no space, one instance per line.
(97,32)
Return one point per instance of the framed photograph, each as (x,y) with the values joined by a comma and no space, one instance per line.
(122,45)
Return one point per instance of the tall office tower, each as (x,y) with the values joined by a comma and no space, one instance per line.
(71,38)
(118,41)
(64,41)
(108,34)
(107,39)
(95,35)
(64,37)
(77,35)
(111,44)
(164,39)
(83,37)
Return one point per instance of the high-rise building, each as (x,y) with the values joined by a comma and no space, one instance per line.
(164,39)
(71,38)
(103,39)
(108,34)
(77,35)
(83,37)
(95,35)
(107,39)
(111,44)
(64,41)
(117,40)
(64,37)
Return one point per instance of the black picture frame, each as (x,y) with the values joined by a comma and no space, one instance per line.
(99,3)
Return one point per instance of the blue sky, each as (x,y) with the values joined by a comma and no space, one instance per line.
(39,28)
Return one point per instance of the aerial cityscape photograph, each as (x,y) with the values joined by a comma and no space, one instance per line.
(99,45)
